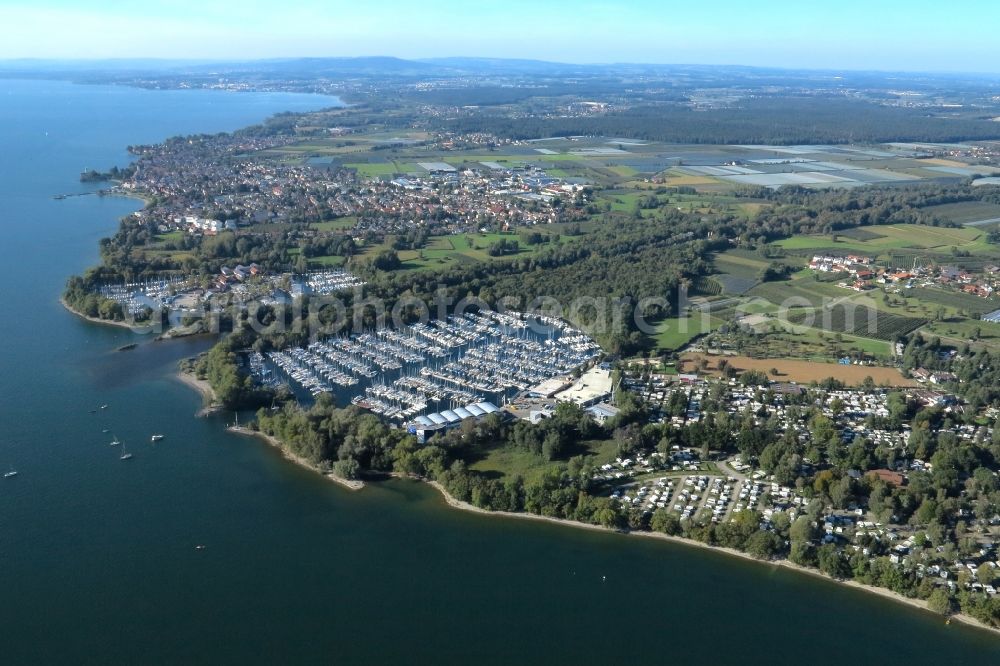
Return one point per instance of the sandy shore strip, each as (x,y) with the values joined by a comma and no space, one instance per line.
(350,484)
(880,591)
(204,388)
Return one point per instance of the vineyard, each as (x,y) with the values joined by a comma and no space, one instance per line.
(797,293)
(705,286)
(857,320)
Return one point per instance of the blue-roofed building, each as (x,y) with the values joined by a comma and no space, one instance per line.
(427,426)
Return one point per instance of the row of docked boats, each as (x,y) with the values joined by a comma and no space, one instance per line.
(462,359)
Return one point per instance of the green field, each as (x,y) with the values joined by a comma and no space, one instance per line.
(443,251)
(510,462)
(801,292)
(890,237)
(967,329)
(954,299)
(172,236)
(327,262)
(373,170)
(966,211)
(858,321)
(676,332)
(338,224)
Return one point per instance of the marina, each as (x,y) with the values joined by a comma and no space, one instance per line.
(184,295)
(442,364)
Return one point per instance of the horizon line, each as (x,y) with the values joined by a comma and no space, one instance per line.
(432,59)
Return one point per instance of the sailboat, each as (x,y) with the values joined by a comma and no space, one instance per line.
(125,456)
(114,442)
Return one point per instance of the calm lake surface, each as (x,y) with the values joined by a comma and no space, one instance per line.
(97,556)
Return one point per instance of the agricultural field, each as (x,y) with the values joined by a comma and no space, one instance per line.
(797,370)
(966,212)
(889,237)
(774,337)
(739,271)
(858,320)
(966,330)
(374,169)
(955,300)
(801,292)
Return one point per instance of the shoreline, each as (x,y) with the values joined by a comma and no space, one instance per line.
(783,563)
(108,322)
(349,484)
(209,403)
(455,503)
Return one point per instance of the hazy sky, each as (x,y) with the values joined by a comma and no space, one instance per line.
(927,35)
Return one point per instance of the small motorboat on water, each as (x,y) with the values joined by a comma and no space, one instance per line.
(10,474)
(156,438)
(104,406)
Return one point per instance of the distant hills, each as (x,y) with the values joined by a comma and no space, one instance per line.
(453,67)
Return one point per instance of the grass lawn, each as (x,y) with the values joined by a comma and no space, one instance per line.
(511,461)
(965,329)
(674,333)
(326,262)
(338,224)
(173,236)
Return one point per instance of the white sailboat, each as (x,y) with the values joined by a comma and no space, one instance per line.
(125,456)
